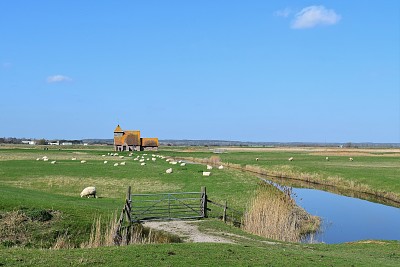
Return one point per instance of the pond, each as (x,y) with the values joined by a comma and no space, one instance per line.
(344,218)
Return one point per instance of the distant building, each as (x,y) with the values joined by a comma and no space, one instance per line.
(130,140)
(29,142)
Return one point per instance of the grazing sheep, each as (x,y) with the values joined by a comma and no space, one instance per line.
(45,159)
(141,160)
(209,167)
(53,162)
(121,157)
(89,191)
(38,159)
(327,158)
(167,160)
(173,162)
(206,173)
(135,159)
(143,163)
(291,159)
(351,159)
(83,161)
(220,167)
(103,155)
(183,164)
(116,164)
(122,163)
(73,159)
(153,159)
(256,159)
(169,170)
(105,162)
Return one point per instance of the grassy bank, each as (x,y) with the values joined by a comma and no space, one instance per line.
(205,254)
(370,172)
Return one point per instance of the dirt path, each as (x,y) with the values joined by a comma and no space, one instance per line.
(187,230)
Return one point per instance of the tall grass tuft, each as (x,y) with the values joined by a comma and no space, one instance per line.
(103,234)
(274,214)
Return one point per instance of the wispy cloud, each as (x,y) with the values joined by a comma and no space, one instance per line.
(6,65)
(58,78)
(312,16)
(283,13)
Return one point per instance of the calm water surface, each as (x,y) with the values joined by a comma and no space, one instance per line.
(347,219)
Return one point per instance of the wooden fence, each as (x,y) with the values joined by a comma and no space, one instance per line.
(168,206)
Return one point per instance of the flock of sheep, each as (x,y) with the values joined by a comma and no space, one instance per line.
(291,159)
(142,159)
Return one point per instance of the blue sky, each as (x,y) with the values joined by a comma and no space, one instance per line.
(288,71)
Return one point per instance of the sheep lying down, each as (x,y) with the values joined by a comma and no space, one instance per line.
(89,191)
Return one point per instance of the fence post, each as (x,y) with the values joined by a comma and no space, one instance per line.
(224,215)
(204,201)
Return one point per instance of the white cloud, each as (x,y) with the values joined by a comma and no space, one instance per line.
(58,78)
(6,65)
(313,16)
(283,13)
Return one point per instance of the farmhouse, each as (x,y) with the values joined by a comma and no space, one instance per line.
(129,140)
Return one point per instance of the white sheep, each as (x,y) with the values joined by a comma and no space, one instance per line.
(256,159)
(141,160)
(206,173)
(351,159)
(183,164)
(209,167)
(122,163)
(73,159)
(220,167)
(143,163)
(121,157)
(105,162)
(291,159)
(83,161)
(53,162)
(116,164)
(38,159)
(45,159)
(327,158)
(89,191)
(103,155)
(169,170)
(153,159)
(173,162)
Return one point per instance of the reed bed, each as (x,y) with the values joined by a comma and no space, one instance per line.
(272,213)
(104,235)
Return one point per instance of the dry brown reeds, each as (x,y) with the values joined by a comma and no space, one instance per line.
(274,214)
(104,235)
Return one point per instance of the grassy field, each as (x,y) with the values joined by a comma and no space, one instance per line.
(373,171)
(29,186)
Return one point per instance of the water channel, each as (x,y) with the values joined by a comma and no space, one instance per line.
(345,218)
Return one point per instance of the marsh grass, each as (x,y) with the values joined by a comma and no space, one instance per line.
(274,214)
(103,235)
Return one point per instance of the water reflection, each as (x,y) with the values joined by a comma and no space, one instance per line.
(332,189)
(346,219)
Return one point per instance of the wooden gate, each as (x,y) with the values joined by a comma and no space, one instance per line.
(168,206)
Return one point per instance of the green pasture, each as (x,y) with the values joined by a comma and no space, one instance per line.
(380,171)
(30,185)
